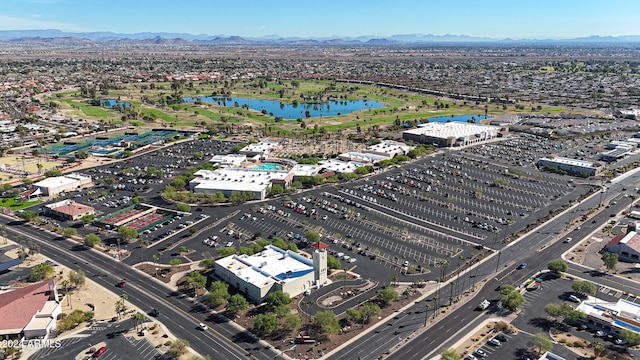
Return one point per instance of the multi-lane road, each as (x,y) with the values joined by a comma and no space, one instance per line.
(536,249)
(228,341)
(180,315)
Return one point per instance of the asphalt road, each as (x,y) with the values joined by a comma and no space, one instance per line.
(536,249)
(223,340)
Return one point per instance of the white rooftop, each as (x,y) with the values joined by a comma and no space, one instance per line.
(389,146)
(61,180)
(240,179)
(340,166)
(261,147)
(270,265)
(364,157)
(451,129)
(569,161)
(306,169)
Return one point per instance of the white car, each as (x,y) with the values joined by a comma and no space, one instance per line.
(229,244)
(352,260)
(202,327)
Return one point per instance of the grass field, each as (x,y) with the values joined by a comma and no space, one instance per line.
(28,163)
(398,105)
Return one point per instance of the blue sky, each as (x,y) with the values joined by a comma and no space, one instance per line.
(515,19)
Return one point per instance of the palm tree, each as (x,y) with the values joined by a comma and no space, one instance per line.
(123,298)
(66,284)
(426,313)
(137,319)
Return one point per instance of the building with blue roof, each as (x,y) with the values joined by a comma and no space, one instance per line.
(611,316)
(273,269)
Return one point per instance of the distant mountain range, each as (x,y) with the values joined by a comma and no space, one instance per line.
(59,36)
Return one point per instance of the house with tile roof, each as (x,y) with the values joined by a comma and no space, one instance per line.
(29,312)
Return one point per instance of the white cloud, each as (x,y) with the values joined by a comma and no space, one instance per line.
(25,23)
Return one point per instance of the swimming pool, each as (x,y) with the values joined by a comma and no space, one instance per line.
(267,166)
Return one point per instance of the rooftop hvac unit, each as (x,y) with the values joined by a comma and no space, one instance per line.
(263,264)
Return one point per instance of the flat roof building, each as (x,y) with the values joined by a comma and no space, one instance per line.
(571,166)
(228,180)
(228,160)
(389,148)
(263,149)
(68,210)
(273,269)
(611,316)
(451,134)
(53,186)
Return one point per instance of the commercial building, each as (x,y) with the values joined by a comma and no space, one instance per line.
(611,316)
(273,269)
(229,160)
(615,154)
(29,312)
(55,185)
(68,210)
(228,180)
(261,149)
(389,149)
(571,166)
(627,246)
(451,134)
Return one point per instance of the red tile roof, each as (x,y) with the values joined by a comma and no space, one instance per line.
(73,209)
(615,240)
(18,306)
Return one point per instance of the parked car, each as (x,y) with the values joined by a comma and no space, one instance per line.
(574,298)
(501,338)
(493,342)
(99,352)
(479,353)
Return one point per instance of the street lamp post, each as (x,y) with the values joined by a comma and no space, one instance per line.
(498,264)
(601,194)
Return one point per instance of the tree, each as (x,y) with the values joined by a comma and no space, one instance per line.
(183,207)
(632,337)
(137,319)
(91,240)
(584,287)
(557,266)
(554,310)
(312,236)
(175,262)
(196,280)
(333,263)
(178,348)
(598,349)
(450,354)
(541,342)
(208,263)
(387,295)
(266,323)
(77,278)
(236,303)
(369,309)
(69,232)
(354,315)
(511,298)
(610,260)
(66,284)
(42,271)
(217,295)
(127,233)
(277,298)
(290,322)
(226,251)
(327,322)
